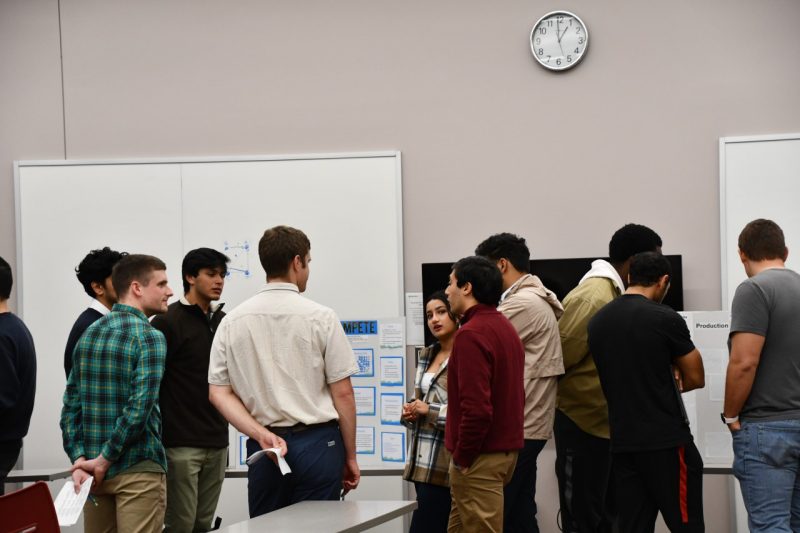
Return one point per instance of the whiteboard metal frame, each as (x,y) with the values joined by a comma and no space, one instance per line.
(723,215)
(211,159)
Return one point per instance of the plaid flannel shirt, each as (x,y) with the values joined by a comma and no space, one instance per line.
(428,459)
(111,401)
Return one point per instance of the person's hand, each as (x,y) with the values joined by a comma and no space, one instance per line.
(415,409)
(408,412)
(736,426)
(351,476)
(268,439)
(96,467)
(676,372)
(79,475)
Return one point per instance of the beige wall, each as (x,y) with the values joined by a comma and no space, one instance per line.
(490,141)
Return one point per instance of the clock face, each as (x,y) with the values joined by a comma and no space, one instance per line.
(559,40)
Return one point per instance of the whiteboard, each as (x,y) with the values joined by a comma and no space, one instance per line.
(759,178)
(349,205)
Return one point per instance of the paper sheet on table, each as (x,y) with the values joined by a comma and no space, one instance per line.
(282,464)
(68,504)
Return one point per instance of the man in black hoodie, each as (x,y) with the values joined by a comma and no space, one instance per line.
(195,434)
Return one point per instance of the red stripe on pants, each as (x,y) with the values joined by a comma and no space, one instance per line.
(682,485)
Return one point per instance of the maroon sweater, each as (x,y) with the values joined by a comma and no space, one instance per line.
(484,387)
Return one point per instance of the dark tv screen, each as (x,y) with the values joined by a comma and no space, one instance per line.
(558,275)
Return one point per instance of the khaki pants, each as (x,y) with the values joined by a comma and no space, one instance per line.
(478,493)
(194,481)
(127,503)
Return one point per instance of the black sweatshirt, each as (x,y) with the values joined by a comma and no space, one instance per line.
(17,380)
(188,417)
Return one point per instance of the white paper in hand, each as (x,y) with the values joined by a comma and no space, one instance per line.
(275,452)
(69,505)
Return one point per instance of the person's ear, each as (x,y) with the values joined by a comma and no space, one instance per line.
(502,265)
(136,288)
(743,256)
(98,288)
(467,288)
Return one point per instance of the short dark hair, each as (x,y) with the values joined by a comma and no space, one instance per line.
(442,297)
(279,246)
(6,279)
(486,280)
(647,268)
(762,239)
(630,240)
(134,267)
(200,258)
(96,267)
(506,246)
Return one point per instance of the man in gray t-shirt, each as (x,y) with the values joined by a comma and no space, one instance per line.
(762,387)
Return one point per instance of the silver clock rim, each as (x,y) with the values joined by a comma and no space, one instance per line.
(533,48)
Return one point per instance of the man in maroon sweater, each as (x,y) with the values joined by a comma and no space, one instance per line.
(485,398)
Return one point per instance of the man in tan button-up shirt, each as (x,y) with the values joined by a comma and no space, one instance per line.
(534,311)
(279,371)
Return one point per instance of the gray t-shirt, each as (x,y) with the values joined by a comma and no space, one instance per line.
(768,304)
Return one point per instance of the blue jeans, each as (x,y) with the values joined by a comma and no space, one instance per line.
(767,463)
(316,457)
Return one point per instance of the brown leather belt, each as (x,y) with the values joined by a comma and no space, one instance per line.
(297,428)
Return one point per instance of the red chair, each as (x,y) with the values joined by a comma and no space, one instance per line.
(28,510)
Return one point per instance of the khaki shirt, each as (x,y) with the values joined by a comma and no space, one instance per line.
(534,311)
(279,351)
(580,396)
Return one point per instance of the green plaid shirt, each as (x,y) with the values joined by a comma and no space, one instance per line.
(111,401)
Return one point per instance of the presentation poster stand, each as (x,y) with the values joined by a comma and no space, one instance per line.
(709,331)
(379,387)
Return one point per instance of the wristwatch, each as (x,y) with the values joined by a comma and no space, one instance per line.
(728,421)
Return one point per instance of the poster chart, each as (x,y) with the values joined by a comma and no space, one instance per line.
(380,392)
(709,330)
(380,389)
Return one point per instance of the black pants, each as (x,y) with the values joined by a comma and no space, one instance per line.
(9,453)
(583,468)
(433,509)
(519,496)
(670,481)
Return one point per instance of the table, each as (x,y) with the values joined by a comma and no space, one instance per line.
(44,474)
(235,473)
(724,469)
(339,516)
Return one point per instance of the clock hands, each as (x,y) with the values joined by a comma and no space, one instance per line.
(559,35)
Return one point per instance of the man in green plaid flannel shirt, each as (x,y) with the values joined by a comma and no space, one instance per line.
(111,422)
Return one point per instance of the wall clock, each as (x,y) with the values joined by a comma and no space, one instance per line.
(559,40)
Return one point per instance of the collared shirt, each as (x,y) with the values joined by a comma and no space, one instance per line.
(99,307)
(279,351)
(111,401)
